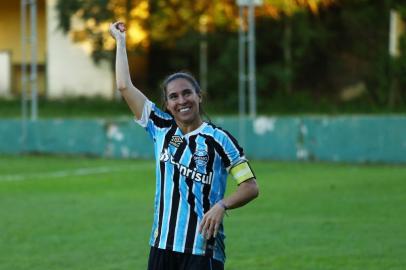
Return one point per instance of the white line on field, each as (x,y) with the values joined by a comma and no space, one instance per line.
(65,173)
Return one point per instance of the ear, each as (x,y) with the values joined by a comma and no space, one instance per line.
(200,97)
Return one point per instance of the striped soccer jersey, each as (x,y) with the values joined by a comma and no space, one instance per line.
(191,173)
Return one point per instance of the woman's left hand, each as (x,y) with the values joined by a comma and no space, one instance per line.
(211,221)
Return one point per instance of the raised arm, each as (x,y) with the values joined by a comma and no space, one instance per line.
(132,95)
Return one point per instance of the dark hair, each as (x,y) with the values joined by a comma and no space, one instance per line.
(180,75)
(190,78)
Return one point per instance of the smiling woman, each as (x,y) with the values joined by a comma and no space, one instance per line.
(193,159)
(182,97)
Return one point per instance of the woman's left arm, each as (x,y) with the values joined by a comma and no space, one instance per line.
(246,192)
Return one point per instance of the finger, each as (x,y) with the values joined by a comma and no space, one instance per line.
(202,224)
(206,227)
(120,26)
(216,229)
(112,30)
(211,229)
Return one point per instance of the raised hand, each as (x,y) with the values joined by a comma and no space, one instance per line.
(117,31)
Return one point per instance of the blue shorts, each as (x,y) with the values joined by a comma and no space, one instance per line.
(161,259)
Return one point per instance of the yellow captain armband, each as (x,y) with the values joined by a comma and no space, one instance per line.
(242,172)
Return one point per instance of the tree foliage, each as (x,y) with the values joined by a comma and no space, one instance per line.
(310,49)
(160,20)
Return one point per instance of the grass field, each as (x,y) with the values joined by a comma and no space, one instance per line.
(78,213)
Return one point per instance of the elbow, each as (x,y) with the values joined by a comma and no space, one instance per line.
(255,192)
(121,87)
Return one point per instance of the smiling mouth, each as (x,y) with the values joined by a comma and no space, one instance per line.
(184,109)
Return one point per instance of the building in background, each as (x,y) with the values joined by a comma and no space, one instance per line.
(65,69)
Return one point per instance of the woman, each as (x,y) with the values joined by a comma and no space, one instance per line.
(193,158)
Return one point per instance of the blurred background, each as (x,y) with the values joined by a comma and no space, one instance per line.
(315,56)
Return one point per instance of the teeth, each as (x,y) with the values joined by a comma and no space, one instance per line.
(184,109)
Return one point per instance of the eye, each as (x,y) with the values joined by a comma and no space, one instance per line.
(172,96)
(187,92)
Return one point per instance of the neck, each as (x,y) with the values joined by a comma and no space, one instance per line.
(189,127)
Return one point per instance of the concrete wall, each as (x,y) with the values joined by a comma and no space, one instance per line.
(10,29)
(65,68)
(70,69)
(5,73)
(356,139)
(10,41)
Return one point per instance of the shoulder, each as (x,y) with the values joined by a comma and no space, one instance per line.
(225,145)
(223,138)
(219,133)
(156,111)
(159,117)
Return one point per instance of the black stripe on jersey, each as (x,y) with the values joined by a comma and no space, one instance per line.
(233,140)
(209,168)
(168,137)
(240,150)
(206,191)
(191,230)
(219,149)
(159,121)
(175,196)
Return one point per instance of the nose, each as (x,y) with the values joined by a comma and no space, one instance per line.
(181,99)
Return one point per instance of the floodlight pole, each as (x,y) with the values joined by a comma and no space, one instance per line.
(247,74)
(23,73)
(241,64)
(242,79)
(245,37)
(33,75)
(29,42)
(251,61)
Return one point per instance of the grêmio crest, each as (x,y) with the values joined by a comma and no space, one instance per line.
(176,140)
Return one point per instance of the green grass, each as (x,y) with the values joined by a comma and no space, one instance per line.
(55,215)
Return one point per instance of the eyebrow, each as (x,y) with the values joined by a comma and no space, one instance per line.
(181,91)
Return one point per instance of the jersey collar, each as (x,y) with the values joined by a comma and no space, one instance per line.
(194,132)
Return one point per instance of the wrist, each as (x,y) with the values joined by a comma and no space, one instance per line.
(223,205)
(120,42)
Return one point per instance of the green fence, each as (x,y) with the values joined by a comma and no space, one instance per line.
(343,139)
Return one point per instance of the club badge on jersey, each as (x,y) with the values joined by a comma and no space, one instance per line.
(176,140)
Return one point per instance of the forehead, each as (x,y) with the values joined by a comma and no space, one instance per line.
(178,85)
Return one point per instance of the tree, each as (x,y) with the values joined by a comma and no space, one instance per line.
(146,21)
(284,10)
(88,21)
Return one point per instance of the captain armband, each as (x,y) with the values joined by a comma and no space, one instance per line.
(242,172)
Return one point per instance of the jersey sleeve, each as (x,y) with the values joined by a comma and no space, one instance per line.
(233,152)
(235,160)
(153,118)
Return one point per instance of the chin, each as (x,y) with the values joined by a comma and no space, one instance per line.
(186,120)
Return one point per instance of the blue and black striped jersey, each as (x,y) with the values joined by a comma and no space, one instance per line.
(191,173)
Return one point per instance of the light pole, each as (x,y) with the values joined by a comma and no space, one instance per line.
(32,45)
(246,38)
(247,41)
